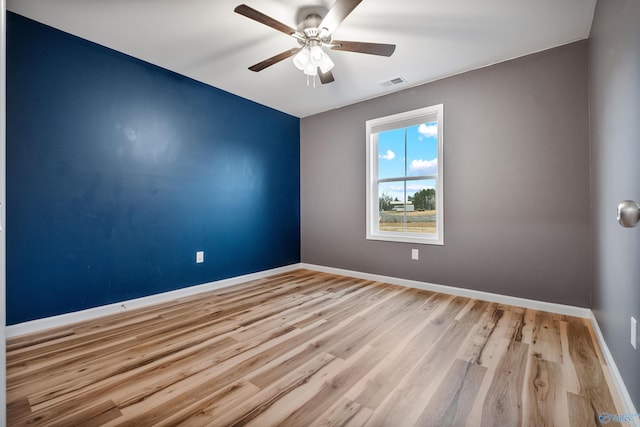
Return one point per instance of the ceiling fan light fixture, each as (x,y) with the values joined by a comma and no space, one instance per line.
(310,58)
(326,65)
(311,69)
(316,54)
(301,59)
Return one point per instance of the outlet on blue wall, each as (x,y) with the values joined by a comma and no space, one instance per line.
(118,171)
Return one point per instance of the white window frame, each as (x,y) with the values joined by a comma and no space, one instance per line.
(434,113)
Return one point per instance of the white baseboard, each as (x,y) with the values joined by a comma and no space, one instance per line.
(617,378)
(92,313)
(568,310)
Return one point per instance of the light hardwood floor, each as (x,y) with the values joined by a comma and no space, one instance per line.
(306,348)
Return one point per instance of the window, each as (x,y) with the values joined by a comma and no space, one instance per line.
(405,177)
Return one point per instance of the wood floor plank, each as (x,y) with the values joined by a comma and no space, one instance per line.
(219,360)
(347,378)
(158,326)
(309,348)
(542,392)
(503,332)
(517,325)
(204,410)
(90,414)
(206,379)
(375,324)
(339,415)
(279,409)
(377,386)
(472,352)
(18,408)
(494,350)
(503,403)
(405,403)
(289,383)
(581,412)
(113,324)
(593,384)
(360,418)
(529,325)
(360,300)
(15,345)
(274,372)
(332,389)
(130,386)
(569,376)
(119,356)
(454,398)
(287,316)
(546,338)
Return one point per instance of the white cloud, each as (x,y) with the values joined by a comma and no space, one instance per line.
(430,130)
(390,155)
(424,167)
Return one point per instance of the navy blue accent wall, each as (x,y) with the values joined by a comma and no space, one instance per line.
(119,171)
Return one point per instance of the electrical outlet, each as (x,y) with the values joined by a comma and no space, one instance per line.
(200,257)
(634,332)
(415,254)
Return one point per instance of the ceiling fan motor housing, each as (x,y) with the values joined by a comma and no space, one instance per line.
(312,33)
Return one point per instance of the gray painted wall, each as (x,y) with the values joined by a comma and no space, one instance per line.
(516,161)
(614,64)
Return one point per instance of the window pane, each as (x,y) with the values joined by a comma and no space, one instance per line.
(422,149)
(391,206)
(391,154)
(405,171)
(422,219)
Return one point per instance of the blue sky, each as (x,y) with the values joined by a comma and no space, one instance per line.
(421,158)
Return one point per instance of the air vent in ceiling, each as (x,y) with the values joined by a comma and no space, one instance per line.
(393,82)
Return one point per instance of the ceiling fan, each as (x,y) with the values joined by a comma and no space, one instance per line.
(313,34)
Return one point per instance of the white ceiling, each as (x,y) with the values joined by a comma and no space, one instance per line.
(207,41)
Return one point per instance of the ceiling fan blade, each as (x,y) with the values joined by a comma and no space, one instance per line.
(251,13)
(325,77)
(363,47)
(338,12)
(274,59)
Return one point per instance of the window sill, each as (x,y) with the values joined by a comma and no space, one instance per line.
(406,238)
